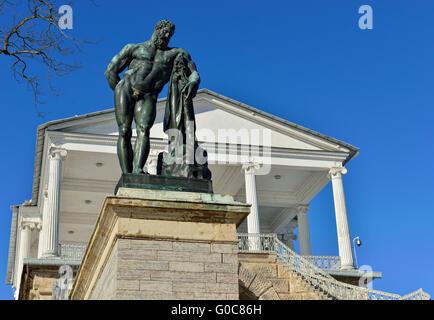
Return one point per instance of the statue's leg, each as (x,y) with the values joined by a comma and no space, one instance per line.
(124,112)
(144,116)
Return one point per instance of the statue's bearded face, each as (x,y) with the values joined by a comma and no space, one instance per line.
(162,38)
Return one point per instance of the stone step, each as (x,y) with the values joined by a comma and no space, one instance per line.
(257,258)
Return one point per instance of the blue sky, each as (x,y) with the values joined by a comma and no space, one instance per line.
(305,61)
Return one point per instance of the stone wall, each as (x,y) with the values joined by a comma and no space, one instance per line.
(262,277)
(41,286)
(106,286)
(166,269)
(38,278)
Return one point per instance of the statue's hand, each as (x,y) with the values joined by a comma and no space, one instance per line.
(137,95)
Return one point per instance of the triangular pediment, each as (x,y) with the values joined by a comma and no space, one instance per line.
(219,119)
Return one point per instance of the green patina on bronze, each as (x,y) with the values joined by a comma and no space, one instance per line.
(131,180)
(151,65)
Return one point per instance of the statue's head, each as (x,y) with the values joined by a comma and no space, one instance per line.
(163,31)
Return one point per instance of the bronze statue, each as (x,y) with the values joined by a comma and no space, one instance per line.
(185,157)
(150,67)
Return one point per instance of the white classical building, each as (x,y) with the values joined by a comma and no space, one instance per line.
(275,165)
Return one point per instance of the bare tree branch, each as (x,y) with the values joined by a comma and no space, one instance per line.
(35,35)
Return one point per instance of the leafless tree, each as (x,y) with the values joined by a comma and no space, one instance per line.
(33,35)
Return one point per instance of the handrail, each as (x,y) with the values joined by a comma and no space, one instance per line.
(314,276)
(417,295)
(325,262)
(306,267)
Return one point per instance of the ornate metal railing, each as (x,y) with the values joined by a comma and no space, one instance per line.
(325,262)
(417,295)
(315,277)
(255,243)
(72,251)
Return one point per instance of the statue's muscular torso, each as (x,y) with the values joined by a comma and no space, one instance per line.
(150,68)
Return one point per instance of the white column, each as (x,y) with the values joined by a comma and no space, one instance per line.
(25,239)
(344,241)
(151,164)
(50,215)
(303,230)
(24,248)
(251,197)
(39,228)
(44,208)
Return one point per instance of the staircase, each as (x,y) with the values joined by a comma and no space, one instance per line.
(319,281)
(263,277)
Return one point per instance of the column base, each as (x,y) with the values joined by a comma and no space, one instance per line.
(347,268)
(49,256)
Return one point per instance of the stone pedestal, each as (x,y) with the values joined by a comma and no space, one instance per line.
(153,244)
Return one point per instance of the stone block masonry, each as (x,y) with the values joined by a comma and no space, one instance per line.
(156,246)
(167,269)
(263,277)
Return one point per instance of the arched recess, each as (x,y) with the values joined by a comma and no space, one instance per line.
(254,286)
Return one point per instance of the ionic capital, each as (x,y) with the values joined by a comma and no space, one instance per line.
(57,153)
(303,208)
(30,223)
(250,167)
(27,225)
(337,172)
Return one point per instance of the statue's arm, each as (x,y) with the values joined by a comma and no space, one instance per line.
(193,79)
(118,64)
(194,76)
